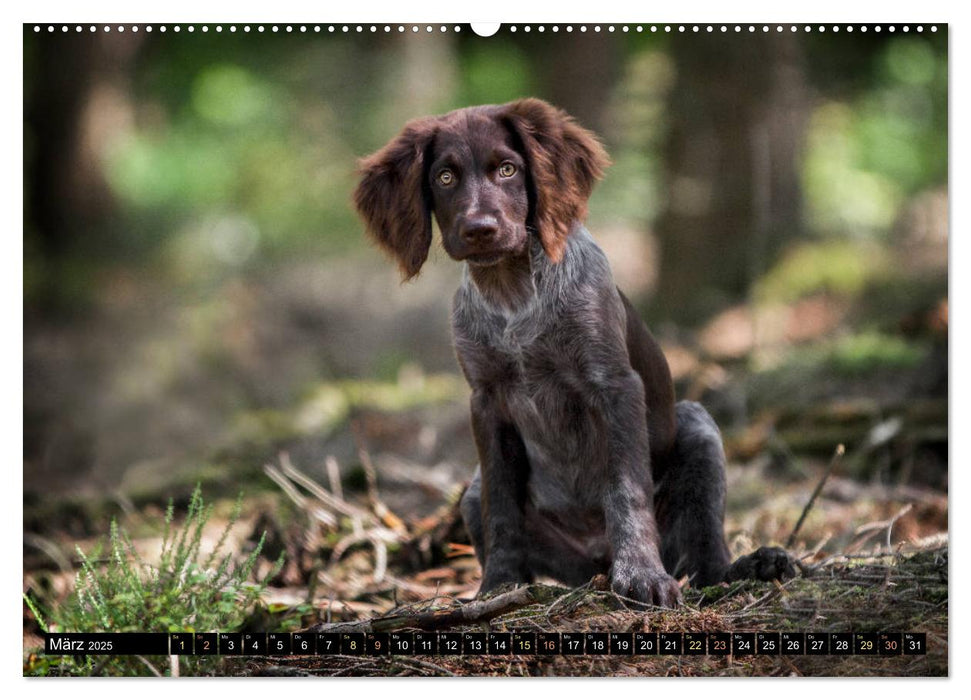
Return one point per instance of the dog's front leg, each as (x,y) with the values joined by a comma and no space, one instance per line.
(505,470)
(628,500)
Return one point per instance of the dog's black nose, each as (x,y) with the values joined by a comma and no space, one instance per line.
(479,229)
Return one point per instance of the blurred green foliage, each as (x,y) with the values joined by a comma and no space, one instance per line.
(245,157)
(838,266)
(326,406)
(871,149)
(632,191)
(243,147)
(494,72)
(866,352)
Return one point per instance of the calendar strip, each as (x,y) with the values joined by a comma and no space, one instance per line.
(521,643)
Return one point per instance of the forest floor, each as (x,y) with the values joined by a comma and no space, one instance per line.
(356,480)
(859,594)
(871,558)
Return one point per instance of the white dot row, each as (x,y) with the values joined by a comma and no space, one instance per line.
(345,28)
(245,28)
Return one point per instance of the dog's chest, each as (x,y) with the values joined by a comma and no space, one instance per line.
(539,381)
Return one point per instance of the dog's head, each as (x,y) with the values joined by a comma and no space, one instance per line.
(490,174)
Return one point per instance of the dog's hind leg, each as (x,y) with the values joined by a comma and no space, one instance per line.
(689,499)
(471,508)
(690,509)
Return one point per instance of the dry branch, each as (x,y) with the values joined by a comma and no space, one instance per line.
(320,493)
(837,456)
(371,478)
(464,614)
(334,475)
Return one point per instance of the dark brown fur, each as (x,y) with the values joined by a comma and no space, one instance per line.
(393,196)
(587,465)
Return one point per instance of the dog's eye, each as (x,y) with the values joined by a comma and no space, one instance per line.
(507,169)
(446,177)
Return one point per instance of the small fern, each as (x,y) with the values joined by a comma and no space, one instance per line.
(187,591)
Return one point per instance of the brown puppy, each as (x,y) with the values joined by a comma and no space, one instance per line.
(587,465)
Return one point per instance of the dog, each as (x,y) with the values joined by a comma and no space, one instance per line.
(586,464)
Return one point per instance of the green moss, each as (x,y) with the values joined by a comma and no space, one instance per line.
(824,368)
(839,267)
(328,405)
(865,352)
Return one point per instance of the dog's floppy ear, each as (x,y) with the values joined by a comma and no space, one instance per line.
(393,196)
(564,162)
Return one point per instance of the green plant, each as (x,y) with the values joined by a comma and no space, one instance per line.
(186,591)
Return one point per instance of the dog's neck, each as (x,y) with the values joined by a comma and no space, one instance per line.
(507,285)
(515,284)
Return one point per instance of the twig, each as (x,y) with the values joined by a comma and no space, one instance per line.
(903,511)
(896,557)
(380,559)
(326,518)
(819,546)
(475,611)
(329,500)
(370,473)
(377,537)
(468,613)
(401,584)
(412,661)
(284,483)
(768,596)
(150,667)
(50,548)
(334,475)
(350,669)
(378,507)
(284,672)
(567,599)
(837,457)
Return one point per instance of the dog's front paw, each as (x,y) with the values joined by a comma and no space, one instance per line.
(496,577)
(764,564)
(646,585)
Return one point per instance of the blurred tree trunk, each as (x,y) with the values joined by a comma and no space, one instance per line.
(425,77)
(579,72)
(738,113)
(76,101)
